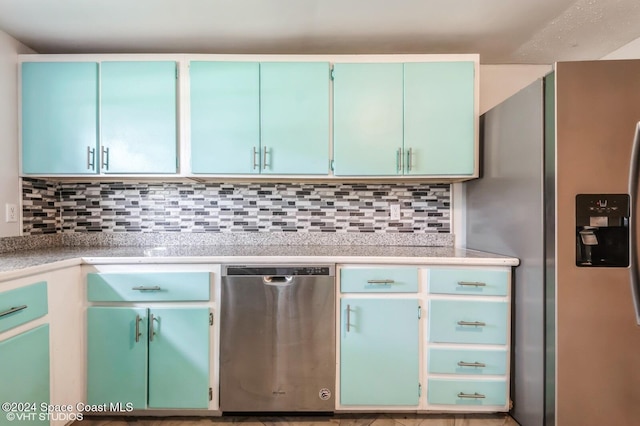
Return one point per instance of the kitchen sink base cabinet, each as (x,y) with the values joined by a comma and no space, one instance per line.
(151,340)
(148,358)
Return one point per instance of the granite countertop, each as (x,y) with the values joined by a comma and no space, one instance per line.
(15,263)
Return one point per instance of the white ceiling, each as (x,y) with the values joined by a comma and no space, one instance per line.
(502,31)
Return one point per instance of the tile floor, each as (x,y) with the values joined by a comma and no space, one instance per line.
(336,420)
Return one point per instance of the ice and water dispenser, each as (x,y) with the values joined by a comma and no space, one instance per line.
(602,230)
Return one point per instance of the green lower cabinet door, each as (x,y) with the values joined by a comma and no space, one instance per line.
(379,352)
(225,117)
(117,356)
(439,118)
(179,358)
(294,117)
(24,376)
(367,119)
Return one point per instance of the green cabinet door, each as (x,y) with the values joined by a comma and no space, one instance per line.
(117,356)
(379,352)
(439,123)
(138,117)
(24,374)
(179,358)
(59,117)
(225,117)
(294,117)
(367,119)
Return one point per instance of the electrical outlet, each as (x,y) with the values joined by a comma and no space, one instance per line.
(394,211)
(11,212)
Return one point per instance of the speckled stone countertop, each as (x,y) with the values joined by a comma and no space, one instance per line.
(32,261)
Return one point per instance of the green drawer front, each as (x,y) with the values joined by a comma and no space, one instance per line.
(468,322)
(468,281)
(148,286)
(461,361)
(22,305)
(379,280)
(467,392)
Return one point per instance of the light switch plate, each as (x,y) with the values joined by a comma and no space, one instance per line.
(394,212)
(11,212)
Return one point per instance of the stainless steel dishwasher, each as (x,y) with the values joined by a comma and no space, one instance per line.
(277,338)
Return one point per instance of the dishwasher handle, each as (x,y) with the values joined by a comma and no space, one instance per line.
(278,280)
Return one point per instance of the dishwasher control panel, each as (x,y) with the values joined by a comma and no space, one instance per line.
(275,270)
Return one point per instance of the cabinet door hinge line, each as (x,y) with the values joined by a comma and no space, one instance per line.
(210,318)
(210,394)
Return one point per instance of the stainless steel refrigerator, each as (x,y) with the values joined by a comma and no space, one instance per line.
(562,140)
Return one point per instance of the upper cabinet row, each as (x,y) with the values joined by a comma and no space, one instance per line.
(311,119)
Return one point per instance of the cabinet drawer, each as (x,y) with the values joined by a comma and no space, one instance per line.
(468,322)
(468,281)
(22,305)
(148,286)
(379,280)
(467,361)
(467,392)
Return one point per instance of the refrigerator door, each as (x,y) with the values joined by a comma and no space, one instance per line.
(598,340)
(505,214)
(634,176)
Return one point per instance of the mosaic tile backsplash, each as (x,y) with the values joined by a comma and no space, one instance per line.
(55,207)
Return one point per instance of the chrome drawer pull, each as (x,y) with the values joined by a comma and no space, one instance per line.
(474,323)
(143,288)
(13,310)
(474,395)
(138,334)
(380,281)
(348,317)
(471,364)
(472,283)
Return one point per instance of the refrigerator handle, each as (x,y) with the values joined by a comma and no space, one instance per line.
(633,238)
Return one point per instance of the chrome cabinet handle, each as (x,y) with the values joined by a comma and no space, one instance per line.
(105,158)
(472,283)
(264,159)
(151,330)
(474,395)
(409,158)
(91,158)
(13,310)
(138,334)
(473,323)
(472,364)
(348,317)
(147,288)
(399,160)
(380,281)
(255,158)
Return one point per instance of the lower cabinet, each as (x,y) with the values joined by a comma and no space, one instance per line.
(148,357)
(24,375)
(379,361)
(453,358)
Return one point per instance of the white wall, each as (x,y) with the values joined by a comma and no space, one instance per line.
(499,82)
(9,182)
(628,51)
